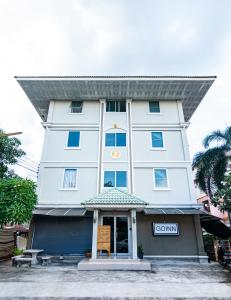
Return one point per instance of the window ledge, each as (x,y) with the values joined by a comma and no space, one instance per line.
(69,189)
(155,113)
(158,149)
(161,189)
(72,148)
(117,187)
(70,113)
(116,147)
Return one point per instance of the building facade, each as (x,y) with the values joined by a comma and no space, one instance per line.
(116,153)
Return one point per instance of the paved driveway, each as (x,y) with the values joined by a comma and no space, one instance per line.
(164,282)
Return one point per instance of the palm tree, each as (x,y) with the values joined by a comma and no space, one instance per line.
(222,137)
(211,164)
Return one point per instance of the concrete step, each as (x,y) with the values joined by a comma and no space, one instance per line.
(114,264)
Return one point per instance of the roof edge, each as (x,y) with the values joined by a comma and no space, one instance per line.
(167,77)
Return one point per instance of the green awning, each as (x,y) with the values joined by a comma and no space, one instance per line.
(114,197)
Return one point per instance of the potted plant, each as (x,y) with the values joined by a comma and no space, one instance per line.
(140,252)
(87,253)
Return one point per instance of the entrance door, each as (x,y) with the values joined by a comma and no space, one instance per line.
(119,234)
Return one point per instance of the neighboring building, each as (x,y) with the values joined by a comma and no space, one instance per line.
(211,209)
(116,153)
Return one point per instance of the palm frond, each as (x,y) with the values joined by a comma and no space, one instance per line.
(215,136)
(198,160)
(228,136)
(220,168)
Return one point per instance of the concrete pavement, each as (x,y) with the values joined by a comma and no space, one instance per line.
(192,281)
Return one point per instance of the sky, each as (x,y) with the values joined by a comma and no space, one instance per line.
(113,37)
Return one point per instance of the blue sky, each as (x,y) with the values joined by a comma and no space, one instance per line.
(113,37)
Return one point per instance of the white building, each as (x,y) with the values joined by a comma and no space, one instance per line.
(123,132)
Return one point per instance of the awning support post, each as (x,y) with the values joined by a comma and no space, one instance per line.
(94,234)
(134,234)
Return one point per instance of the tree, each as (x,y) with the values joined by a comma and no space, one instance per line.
(222,197)
(17,200)
(9,153)
(211,164)
(223,137)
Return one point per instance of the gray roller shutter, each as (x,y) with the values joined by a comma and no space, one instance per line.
(62,235)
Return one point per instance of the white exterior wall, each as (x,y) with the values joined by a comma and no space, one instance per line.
(139,160)
(61,113)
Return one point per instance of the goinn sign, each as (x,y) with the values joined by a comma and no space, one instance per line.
(165,229)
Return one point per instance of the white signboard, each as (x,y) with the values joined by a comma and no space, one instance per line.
(165,229)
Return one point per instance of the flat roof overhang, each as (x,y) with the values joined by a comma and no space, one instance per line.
(42,89)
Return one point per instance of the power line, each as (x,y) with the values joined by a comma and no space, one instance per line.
(32,161)
(28,163)
(25,167)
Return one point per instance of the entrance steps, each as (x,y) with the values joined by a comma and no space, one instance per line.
(112,264)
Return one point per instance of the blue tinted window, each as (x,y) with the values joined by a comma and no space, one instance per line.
(121,139)
(154,106)
(157,139)
(115,139)
(110,139)
(73,139)
(115,178)
(121,178)
(160,178)
(109,179)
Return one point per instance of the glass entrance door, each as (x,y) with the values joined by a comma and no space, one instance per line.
(119,233)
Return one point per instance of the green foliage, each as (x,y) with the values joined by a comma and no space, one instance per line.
(9,152)
(17,200)
(222,197)
(17,251)
(211,164)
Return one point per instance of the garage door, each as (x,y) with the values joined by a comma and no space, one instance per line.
(62,235)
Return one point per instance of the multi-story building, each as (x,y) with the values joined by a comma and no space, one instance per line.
(116,153)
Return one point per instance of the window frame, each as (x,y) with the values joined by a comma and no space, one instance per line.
(76,180)
(73,147)
(111,100)
(167,188)
(163,141)
(115,146)
(154,112)
(115,179)
(71,107)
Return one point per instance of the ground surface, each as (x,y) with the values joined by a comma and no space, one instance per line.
(66,282)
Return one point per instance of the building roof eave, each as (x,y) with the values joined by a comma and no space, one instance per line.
(42,89)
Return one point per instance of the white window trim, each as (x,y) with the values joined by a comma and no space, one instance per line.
(120,187)
(163,139)
(73,148)
(122,147)
(70,108)
(157,113)
(114,112)
(155,188)
(70,189)
(71,113)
